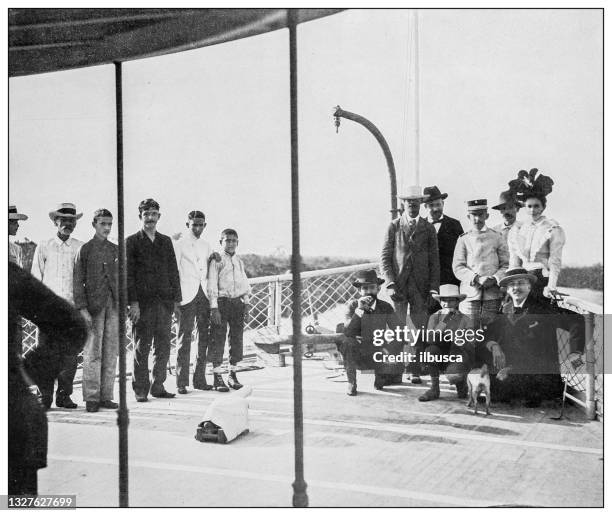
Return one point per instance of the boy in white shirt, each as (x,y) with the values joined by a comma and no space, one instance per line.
(228,292)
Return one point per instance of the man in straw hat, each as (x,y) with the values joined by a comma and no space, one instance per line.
(522,342)
(508,208)
(479,262)
(15,253)
(450,347)
(53,264)
(363,317)
(411,265)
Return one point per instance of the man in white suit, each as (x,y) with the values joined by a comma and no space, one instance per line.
(193,254)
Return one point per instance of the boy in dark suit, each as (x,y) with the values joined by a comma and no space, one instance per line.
(96,296)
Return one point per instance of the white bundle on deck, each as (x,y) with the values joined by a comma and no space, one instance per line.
(231,413)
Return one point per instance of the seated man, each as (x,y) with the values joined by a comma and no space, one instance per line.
(363,317)
(459,347)
(523,344)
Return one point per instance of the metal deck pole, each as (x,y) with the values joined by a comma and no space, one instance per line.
(300,498)
(122,413)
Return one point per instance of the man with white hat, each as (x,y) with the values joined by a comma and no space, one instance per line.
(454,355)
(15,253)
(53,264)
(480,261)
(411,266)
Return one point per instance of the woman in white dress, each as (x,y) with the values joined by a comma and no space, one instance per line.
(538,244)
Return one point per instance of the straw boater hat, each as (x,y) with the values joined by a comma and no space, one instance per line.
(65,209)
(449,290)
(517,273)
(433,193)
(13,215)
(367,278)
(412,193)
(477,205)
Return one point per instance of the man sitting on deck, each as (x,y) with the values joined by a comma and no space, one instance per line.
(363,316)
(523,344)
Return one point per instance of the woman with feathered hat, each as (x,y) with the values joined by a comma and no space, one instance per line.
(538,244)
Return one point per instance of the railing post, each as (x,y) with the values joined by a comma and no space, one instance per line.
(278,301)
(271,319)
(589,327)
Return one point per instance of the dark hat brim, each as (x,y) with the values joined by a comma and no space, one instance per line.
(506,204)
(358,284)
(436,197)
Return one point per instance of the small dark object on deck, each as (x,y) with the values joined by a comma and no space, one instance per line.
(209,432)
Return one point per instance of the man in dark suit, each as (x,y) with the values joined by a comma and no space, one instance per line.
(448,230)
(523,344)
(359,348)
(154,292)
(411,265)
(63,332)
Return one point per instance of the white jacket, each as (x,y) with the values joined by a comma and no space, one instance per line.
(192,256)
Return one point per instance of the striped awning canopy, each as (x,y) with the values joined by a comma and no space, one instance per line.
(49,40)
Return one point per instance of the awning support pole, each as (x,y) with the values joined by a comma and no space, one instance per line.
(122,413)
(300,498)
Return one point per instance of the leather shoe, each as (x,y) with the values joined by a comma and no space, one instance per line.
(65,402)
(415,378)
(379,384)
(109,404)
(164,394)
(232,381)
(92,406)
(182,390)
(352,390)
(141,398)
(202,386)
(219,384)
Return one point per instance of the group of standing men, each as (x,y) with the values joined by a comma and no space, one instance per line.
(206,289)
(442,278)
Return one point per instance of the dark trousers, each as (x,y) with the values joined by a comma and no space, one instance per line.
(153,328)
(232,316)
(419,315)
(353,360)
(455,371)
(49,366)
(196,311)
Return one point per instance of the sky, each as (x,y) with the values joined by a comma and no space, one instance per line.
(208,129)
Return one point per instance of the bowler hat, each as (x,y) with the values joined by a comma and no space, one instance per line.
(449,290)
(65,209)
(506,199)
(517,273)
(433,193)
(367,277)
(13,215)
(412,193)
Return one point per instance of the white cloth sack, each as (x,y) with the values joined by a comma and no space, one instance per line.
(230,413)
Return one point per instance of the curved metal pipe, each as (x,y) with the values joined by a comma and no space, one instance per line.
(340,113)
